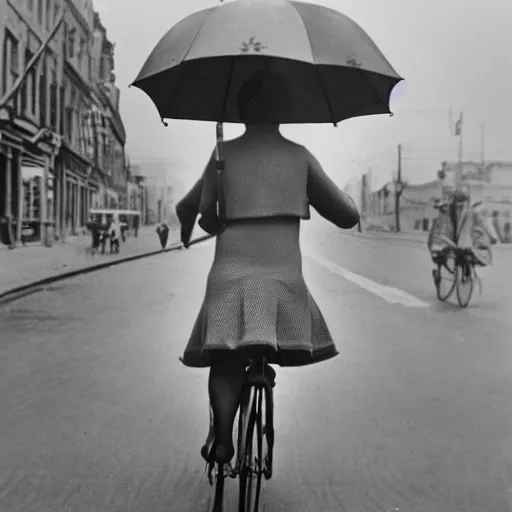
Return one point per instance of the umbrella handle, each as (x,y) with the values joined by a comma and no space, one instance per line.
(220,164)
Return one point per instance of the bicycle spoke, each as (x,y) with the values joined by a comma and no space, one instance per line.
(251,469)
(446,279)
(464,285)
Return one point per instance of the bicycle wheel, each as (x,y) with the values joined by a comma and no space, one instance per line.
(465,284)
(446,279)
(251,461)
(218,500)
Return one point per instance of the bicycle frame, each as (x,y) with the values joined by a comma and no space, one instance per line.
(464,260)
(257,386)
(256,380)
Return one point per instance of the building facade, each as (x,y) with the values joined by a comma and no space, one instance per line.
(162,186)
(62,140)
(489,183)
(29,119)
(416,206)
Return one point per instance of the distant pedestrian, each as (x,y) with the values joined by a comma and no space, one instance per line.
(124,229)
(136,226)
(95,229)
(163,234)
(114,233)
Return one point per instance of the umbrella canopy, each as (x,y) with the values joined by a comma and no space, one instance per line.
(332,67)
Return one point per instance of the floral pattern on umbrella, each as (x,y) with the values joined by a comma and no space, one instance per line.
(252,46)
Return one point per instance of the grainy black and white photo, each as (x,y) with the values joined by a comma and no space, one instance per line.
(255,256)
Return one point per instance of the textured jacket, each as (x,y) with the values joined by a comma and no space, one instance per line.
(262,179)
(470,231)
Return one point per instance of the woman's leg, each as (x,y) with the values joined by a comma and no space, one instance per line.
(225,390)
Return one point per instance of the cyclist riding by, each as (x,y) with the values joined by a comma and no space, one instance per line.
(463,226)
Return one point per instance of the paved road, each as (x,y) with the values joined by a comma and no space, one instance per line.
(97,414)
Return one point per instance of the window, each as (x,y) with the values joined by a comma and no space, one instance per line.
(43,106)
(32,194)
(71,44)
(49,24)
(81,51)
(71,117)
(62,121)
(80,129)
(40,11)
(55,12)
(68,124)
(10,73)
(53,100)
(28,90)
(102,68)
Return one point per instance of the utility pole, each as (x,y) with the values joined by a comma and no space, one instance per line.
(482,143)
(458,132)
(363,202)
(399,188)
(163,204)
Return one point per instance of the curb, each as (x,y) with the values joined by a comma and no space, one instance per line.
(36,286)
(499,246)
(387,237)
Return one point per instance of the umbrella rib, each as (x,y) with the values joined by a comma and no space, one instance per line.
(228,88)
(365,78)
(317,70)
(329,106)
(197,33)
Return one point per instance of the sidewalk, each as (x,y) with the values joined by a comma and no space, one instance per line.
(25,265)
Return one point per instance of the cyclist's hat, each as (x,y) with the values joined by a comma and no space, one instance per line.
(460,195)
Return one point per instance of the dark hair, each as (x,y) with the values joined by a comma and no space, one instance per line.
(263,96)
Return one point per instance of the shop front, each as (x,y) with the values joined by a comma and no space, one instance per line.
(27,186)
(10,149)
(78,193)
(32,195)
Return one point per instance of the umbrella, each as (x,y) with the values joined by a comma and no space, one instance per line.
(333,68)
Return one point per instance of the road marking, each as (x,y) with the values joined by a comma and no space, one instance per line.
(388,293)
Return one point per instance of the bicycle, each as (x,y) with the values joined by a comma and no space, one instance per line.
(255,425)
(456,270)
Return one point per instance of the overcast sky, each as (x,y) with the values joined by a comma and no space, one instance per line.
(452,53)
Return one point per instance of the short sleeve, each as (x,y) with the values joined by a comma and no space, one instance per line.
(327,199)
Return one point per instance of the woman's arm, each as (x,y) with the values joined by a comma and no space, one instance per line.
(201,199)
(481,222)
(327,199)
(187,210)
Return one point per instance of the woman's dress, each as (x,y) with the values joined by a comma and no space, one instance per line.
(256,300)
